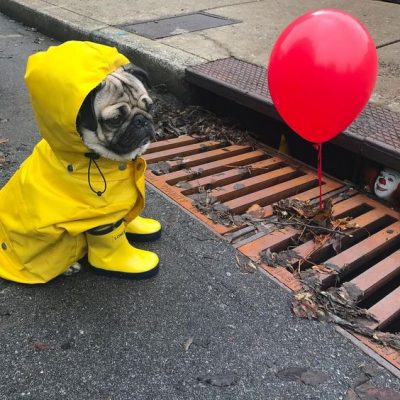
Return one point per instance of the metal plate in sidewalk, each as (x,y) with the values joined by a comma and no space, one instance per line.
(177,25)
(240,176)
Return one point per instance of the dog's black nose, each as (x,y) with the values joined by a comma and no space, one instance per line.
(140,121)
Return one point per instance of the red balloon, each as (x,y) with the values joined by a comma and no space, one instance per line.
(321,73)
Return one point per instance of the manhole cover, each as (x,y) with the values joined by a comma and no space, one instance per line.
(171,26)
(238,176)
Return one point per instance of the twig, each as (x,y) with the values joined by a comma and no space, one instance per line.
(313,227)
(302,233)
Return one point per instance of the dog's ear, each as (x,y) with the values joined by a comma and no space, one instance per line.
(86,116)
(138,73)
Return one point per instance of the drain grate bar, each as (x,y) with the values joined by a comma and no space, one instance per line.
(376,277)
(214,155)
(329,188)
(279,238)
(359,254)
(258,182)
(166,144)
(214,167)
(230,176)
(361,201)
(386,310)
(270,195)
(182,151)
(350,206)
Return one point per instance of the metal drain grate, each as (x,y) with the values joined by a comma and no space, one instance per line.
(237,175)
(240,176)
(160,28)
(375,134)
(366,262)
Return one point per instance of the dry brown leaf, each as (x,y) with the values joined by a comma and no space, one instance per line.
(303,296)
(322,269)
(245,263)
(305,309)
(307,212)
(299,211)
(343,224)
(367,391)
(321,240)
(304,375)
(255,211)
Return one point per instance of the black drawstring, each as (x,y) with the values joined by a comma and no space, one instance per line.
(93,157)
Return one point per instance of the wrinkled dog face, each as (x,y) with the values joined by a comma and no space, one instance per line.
(114,120)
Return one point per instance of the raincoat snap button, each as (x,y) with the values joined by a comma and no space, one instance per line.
(122,166)
(4,246)
(70,168)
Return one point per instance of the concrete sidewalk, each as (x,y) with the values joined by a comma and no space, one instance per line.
(250,39)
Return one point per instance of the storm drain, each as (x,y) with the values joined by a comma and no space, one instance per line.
(177,25)
(375,134)
(239,176)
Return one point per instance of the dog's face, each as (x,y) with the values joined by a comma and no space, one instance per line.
(114,120)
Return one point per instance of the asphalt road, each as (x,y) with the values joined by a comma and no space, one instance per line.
(16,118)
(202,329)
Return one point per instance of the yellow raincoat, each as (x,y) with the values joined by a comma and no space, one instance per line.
(47,205)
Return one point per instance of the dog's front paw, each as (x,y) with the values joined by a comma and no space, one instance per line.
(73,269)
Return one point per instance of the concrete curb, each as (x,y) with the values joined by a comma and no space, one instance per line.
(166,65)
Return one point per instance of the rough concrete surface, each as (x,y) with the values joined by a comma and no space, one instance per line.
(387,92)
(262,22)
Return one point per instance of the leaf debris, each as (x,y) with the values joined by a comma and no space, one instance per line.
(338,305)
(177,119)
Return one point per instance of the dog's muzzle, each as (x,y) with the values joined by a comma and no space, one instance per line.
(139,133)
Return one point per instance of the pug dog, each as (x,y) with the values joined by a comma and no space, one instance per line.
(115,120)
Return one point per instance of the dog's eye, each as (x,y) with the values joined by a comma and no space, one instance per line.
(116,120)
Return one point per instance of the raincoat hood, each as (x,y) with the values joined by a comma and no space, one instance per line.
(58,81)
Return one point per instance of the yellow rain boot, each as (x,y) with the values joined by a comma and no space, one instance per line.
(110,253)
(143,230)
